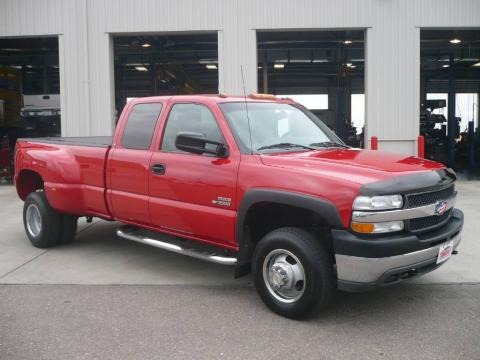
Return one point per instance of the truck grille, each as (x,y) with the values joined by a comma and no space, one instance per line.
(428,198)
(429,222)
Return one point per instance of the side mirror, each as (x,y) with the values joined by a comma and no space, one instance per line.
(196,143)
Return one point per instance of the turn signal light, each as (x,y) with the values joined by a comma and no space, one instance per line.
(364,228)
(378,228)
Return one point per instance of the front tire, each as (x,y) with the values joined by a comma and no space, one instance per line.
(42,223)
(293,272)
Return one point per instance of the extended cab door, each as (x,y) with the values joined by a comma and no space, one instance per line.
(194,195)
(128,164)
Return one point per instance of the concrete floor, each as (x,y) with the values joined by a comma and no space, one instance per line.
(34,282)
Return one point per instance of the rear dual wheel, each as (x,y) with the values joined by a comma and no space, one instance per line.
(44,226)
(293,272)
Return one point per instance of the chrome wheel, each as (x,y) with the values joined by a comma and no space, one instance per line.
(33,220)
(284,276)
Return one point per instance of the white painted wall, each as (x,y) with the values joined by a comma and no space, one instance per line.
(393,27)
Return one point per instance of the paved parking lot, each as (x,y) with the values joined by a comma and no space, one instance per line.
(108,298)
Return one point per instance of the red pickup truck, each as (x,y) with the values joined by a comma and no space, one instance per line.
(256,182)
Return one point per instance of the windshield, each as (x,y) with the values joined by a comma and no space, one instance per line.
(277,127)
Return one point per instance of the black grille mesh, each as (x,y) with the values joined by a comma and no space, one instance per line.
(428,198)
(427,222)
(417,200)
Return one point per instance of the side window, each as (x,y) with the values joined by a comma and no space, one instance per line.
(140,126)
(190,118)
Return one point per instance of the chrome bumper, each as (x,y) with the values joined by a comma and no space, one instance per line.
(373,272)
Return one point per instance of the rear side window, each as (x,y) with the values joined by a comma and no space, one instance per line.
(194,118)
(140,125)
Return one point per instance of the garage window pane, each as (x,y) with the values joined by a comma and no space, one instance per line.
(140,125)
(310,101)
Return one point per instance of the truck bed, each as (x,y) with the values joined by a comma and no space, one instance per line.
(72,171)
(91,141)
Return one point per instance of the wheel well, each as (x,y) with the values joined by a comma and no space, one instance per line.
(28,181)
(265,217)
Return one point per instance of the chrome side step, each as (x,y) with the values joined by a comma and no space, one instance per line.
(138,236)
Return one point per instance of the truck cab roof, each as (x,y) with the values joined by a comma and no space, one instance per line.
(218,98)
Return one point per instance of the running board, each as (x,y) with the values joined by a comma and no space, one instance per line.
(140,236)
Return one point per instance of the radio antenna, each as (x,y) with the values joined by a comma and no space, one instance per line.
(246,110)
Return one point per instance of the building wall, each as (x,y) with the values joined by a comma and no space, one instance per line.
(392,77)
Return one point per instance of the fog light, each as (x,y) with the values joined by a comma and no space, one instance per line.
(377,228)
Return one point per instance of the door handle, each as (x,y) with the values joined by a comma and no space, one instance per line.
(158,169)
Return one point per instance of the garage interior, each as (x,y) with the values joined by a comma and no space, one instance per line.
(323,70)
(149,65)
(29,93)
(449,90)
(29,87)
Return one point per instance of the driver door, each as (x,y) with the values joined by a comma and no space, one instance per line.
(193,195)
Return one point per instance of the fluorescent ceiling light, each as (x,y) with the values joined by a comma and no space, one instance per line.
(347,42)
(141,68)
(477,64)
(320,60)
(211,66)
(279,66)
(301,61)
(260,67)
(455,41)
(146,45)
(208,61)
(446,66)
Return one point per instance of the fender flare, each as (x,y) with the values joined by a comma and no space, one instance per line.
(323,207)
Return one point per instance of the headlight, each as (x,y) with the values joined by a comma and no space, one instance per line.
(377,228)
(385,202)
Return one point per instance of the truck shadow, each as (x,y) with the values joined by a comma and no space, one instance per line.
(129,262)
(152,266)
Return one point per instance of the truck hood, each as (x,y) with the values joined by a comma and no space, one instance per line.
(357,165)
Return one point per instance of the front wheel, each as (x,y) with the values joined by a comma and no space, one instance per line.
(293,272)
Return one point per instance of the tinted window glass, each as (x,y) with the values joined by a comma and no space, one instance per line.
(190,118)
(141,123)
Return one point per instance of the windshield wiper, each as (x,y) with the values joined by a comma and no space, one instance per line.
(285,145)
(329,144)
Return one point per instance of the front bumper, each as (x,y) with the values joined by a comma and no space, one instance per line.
(363,264)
